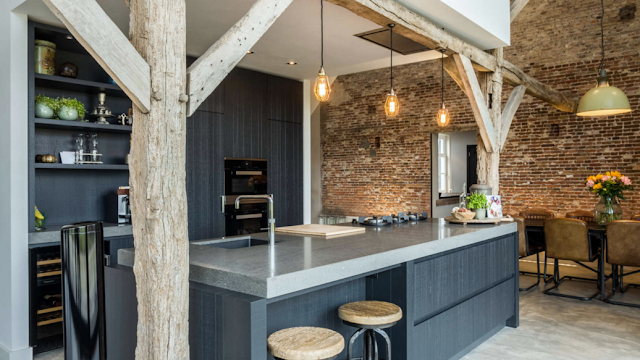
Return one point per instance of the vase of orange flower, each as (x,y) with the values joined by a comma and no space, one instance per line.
(609,188)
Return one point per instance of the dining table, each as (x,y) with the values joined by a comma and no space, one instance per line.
(597,241)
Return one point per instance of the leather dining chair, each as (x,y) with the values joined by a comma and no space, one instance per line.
(568,239)
(586,216)
(536,217)
(623,249)
(635,217)
(527,248)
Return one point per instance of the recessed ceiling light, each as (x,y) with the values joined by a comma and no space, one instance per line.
(250,52)
(292,63)
(69,37)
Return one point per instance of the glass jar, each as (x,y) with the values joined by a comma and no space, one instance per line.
(45,57)
(607,210)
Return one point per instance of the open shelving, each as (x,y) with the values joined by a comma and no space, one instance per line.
(89,192)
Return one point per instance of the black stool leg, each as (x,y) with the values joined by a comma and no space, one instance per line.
(386,338)
(351,341)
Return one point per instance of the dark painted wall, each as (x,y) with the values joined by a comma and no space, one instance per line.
(250,115)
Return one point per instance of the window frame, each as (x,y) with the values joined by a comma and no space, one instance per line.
(446,155)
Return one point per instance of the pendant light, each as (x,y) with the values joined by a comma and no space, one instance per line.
(442,118)
(391,106)
(603,100)
(322,89)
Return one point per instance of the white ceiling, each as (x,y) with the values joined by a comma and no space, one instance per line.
(295,36)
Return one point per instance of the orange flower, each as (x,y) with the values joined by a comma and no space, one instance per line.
(599,176)
(597,186)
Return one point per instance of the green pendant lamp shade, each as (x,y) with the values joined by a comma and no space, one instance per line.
(604,99)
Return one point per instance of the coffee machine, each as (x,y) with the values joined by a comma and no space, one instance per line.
(124,211)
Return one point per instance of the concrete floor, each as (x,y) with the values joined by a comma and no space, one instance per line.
(556,328)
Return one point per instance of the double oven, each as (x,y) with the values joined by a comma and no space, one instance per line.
(244,177)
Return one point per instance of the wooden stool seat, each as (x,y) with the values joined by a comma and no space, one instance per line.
(370,313)
(305,343)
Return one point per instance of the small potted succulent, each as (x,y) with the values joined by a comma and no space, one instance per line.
(478,203)
(46,107)
(70,109)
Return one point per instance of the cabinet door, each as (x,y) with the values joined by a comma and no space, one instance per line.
(245,98)
(284,155)
(284,99)
(205,175)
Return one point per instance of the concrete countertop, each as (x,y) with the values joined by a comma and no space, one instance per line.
(301,262)
(52,233)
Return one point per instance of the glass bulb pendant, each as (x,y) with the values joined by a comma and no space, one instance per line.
(322,89)
(391,106)
(443,117)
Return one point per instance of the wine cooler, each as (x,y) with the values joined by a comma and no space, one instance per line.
(46,298)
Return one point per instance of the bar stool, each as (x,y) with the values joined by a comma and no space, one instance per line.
(370,317)
(305,343)
(623,249)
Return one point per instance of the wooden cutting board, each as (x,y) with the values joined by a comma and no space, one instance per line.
(320,230)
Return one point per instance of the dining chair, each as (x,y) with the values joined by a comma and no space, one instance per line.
(568,239)
(623,249)
(527,248)
(583,215)
(537,216)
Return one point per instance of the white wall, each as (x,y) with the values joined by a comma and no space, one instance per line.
(14,299)
(459,142)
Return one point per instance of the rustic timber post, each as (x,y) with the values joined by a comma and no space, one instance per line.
(157,179)
(489,162)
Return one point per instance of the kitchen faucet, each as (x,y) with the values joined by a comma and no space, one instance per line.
(272,221)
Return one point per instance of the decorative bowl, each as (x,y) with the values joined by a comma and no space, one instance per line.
(463,215)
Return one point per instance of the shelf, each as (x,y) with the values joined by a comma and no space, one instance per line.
(50,273)
(80,126)
(48,310)
(49,262)
(47,322)
(78,85)
(59,166)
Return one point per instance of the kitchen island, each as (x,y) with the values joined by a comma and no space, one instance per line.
(457,286)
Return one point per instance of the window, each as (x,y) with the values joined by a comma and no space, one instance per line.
(444,163)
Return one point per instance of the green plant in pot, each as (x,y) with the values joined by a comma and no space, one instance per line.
(70,109)
(46,107)
(478,203)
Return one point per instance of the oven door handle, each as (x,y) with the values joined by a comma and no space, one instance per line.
(248,172)
(249,216)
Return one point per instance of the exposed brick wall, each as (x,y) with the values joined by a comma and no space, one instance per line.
(549,153)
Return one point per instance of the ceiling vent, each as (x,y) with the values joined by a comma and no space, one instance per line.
(401,44)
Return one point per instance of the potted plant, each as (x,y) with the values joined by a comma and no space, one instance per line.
(46,107)
(70,109)
(478,203)
(609,188)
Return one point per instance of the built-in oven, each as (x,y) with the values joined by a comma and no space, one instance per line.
(244,177)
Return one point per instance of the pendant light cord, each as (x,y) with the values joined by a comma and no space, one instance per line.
(602,36)
(321,33)
(442,75)
(391,36)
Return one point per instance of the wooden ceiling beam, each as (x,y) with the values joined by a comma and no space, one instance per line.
(102,38)
(510,111)
(478,104)
(516,7)
(451,68)
(206,73)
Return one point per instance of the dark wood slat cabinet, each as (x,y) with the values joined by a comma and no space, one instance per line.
(249,115)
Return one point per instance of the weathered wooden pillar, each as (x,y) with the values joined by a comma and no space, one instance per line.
(489,162)
(157,179)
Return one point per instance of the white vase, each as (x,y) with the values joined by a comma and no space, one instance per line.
(68,113)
